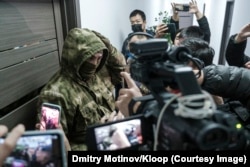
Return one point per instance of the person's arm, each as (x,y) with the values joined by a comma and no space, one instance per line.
(126,95)
(116,62)
(243,34)
(175,17)
(235,51)
(226,81)
(201,19)
(10,141)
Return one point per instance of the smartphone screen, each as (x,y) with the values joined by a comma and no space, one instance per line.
(50,116)
(122,134)
(38,148)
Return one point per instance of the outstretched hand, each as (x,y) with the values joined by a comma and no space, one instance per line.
(243,34)
(193,8)
(126,94)
(10,141)
(160,30)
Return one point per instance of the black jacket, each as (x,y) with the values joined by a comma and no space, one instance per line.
(235,55)
(203,24)
(228,82)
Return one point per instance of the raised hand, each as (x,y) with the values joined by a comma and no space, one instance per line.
(126,94)
(10,141)
(243,34)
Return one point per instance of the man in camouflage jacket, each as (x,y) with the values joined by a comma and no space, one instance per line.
(84,87)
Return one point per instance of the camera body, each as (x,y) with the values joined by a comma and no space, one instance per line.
(164,66)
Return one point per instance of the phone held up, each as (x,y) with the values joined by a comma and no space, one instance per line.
(171,28)
(182,7)
(38,148)
(50,116)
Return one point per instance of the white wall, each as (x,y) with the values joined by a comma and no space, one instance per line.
(111,17)
(215,12)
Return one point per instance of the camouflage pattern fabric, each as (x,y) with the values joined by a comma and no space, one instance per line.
(83,102)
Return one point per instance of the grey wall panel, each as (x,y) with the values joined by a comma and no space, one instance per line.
(25,114)
(21,79)
(19,55)
(25,22)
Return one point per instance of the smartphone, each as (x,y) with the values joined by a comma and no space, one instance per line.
(50,116)
(35,148)
(171,28)
(126,134)
(182,7)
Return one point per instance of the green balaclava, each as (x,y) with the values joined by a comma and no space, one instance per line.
(87,70)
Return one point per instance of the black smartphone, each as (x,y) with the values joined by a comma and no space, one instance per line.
(50,116)
(126,134)
(171,28)
(38,148)
(182,7)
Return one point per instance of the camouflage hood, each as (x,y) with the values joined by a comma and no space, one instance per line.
(80,45)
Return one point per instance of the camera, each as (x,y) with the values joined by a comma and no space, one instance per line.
(169,121)
(187,122)
(126,134)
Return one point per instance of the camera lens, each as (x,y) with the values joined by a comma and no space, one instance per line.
(213,136)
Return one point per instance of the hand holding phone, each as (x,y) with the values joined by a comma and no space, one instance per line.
(50,116)
(36,148)
(182,7)
(11,140)
(171,28)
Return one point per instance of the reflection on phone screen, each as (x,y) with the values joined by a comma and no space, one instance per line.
(119,135)
(50,118)
(34,151)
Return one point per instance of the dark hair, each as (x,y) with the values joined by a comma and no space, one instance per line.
(192,31)
(147,35)
(200,49)
(138,12)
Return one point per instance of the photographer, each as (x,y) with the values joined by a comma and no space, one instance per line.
(218,80)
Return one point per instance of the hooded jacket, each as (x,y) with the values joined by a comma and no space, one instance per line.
(83,102)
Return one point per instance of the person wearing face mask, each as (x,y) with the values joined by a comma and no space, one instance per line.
(138,24)
(84,85)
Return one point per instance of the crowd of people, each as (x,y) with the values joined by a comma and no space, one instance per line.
(92,68)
